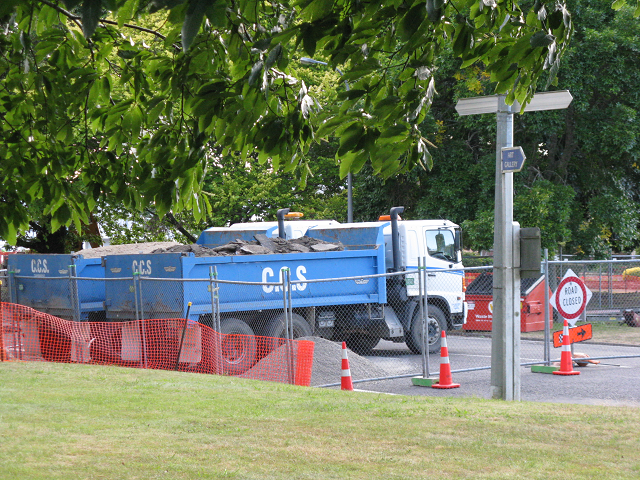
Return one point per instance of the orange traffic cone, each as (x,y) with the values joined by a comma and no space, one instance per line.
(566,362)
(445,368)
(345,381)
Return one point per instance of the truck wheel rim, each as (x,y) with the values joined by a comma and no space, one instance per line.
(233,348)
(433,330)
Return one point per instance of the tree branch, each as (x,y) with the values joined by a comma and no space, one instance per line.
(173,221)
(76,18)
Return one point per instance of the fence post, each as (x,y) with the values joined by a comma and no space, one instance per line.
(217,287)
(213,298)
(425,342)
(286,289)
(135,294)
(424,314)
(600,286)
(73,294)
(285,300)
(425,300)
(141,296)
(547,330)
(141,329)
(2,353)
(215,318)
(610,289)
(13,294)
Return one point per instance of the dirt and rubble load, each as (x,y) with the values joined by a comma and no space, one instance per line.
(263,245)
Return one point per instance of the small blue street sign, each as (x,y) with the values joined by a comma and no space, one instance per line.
(512,159)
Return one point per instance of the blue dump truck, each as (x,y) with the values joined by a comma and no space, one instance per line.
(358,308)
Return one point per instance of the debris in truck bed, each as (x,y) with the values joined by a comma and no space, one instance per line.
(262,246)
(124,249)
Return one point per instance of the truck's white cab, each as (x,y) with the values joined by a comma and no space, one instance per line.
(434,243)
(437,244)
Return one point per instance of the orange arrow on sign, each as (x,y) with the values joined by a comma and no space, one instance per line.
(576,334)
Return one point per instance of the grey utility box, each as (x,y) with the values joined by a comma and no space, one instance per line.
(530,252)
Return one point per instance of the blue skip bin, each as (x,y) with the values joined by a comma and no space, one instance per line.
(66,286)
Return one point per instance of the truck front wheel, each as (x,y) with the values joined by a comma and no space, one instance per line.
(237,346)
(436,323)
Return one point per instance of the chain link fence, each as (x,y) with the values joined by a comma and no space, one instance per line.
(392,323)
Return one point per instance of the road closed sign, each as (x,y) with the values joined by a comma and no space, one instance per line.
(571,297)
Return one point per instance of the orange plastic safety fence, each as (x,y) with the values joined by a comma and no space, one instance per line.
(166,344)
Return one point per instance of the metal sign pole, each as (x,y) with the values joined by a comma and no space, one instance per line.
(503,370)
(505,348)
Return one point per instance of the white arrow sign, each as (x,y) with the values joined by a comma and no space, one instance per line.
(490,103)
(571,297)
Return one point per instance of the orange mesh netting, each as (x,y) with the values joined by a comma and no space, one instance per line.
(166,344)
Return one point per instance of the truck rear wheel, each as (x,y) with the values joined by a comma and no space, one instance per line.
(238,346)
(436,323)
(276,327)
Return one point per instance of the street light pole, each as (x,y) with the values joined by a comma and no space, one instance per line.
(311,61)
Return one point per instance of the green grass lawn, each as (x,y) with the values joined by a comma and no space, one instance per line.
(62,421)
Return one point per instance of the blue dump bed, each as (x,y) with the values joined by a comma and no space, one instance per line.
(363,256)
(41,281)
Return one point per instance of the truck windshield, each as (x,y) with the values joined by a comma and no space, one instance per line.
(441,244)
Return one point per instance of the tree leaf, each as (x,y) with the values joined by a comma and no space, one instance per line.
(316,9)
(542,39)
(215,12)
(91,10)
(125,12)
(350,138)
(434,10)
(618,4)
(192,21)
(255,73)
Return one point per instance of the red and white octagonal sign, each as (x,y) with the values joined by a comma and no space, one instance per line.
(571,297)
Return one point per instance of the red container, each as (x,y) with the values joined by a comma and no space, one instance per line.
(479,297)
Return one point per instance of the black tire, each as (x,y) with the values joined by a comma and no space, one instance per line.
(238,346)
(362,344)
(437,322)
(276,327)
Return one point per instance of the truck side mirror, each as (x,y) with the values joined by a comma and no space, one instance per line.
(457,244)
(530,252)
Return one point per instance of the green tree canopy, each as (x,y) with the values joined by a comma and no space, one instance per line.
(581,177)
(90,111)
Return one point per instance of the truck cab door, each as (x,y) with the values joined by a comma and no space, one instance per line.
(443,253)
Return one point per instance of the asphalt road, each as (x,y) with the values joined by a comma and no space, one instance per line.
(612,382)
